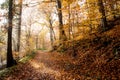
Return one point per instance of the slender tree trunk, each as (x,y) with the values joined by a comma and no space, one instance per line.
(62,35)
(37,41)
(102,11)
(90,24)
(14,44)
(43,43)
(69,28)
(51,37)
(10,61)
(73,25)
(51,33)
(19,25)
(113,6)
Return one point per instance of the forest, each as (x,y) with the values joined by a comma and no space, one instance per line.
(60,40)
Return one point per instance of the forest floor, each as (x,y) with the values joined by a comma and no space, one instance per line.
(97,58)
(45,66)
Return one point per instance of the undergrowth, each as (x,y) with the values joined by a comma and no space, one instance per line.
(25,59)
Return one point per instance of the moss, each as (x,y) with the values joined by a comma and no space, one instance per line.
(42,49)
(7,71)
(28,57)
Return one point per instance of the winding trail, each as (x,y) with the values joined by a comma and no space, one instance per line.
(44,66)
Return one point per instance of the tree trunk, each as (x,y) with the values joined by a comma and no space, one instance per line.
(51,37)
(19,25)
(62,35)
(51,33)
(69,28)
(10,61)
(113,6)
(103,19)
(37,41)
(43,43)
(90,24)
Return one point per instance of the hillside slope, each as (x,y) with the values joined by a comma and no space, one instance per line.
(98,57)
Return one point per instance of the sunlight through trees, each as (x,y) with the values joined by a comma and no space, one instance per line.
(56,25)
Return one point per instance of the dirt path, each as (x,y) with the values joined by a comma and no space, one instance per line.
(45,66)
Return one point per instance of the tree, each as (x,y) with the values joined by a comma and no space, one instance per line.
(19,25)
(48,13)
(67,3)
(10,60)
(102,11)
(62,35)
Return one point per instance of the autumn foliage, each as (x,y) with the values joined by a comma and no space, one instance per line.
(60,39)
